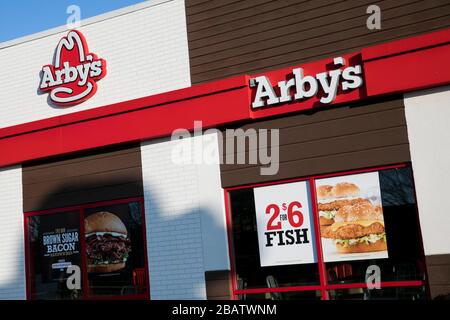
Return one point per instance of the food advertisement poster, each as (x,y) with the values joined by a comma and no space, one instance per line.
(351,217)
(61,248)
(58,237)
(114,253)
(285,231)
(107,242)
(60,242)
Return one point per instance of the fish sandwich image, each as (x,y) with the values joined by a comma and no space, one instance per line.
(358,228)
(332,198)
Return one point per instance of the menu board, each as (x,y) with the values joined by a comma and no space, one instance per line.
(284,224)
(351,217)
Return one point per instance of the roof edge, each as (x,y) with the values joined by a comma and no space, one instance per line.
(84,22)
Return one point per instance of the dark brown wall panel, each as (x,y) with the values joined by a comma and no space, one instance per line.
(106,174)
(328,140)
(438,267)
(229,37)
(218,285)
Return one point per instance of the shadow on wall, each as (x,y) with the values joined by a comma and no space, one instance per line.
(12,283)
(176,247)
(12,279)
(174,242)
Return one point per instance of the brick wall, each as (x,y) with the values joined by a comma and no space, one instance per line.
(145,47)
(182,223)
(12,265)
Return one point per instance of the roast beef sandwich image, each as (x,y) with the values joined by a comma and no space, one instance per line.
(107,243)
(358,228)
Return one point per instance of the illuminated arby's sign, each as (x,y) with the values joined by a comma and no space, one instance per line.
(300,87)
(72,77)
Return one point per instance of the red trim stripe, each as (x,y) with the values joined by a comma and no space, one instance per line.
(280,289)
(400,66)
(406,45)
(166,98)
(387,284)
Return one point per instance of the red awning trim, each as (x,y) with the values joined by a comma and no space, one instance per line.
(405,65)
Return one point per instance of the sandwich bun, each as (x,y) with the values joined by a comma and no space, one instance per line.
(104,222)
(345,190)
(325,221)
(105,268)
(324,192)
(360,211)
(379,245)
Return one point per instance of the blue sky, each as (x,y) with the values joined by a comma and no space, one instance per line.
(19,18)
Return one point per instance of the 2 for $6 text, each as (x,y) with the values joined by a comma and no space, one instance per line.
(288,213)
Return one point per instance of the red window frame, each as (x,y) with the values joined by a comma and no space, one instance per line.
(323,285)
(81,209)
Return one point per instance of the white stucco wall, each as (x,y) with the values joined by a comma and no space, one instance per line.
(428,120)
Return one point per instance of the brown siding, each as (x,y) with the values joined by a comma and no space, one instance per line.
(330,140)
(218,285)
(106,174)
(229,37)
(438,267)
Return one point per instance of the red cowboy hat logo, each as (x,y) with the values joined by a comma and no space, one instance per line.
(73,76)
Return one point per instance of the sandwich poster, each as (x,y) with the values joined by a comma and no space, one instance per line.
(60,242)
(351,217)
(107,242)
(56,244)
(283,218)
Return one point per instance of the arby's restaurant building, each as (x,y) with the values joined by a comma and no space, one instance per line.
(341,185)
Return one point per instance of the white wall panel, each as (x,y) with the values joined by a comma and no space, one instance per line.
(145,47)
(12,256)
(428,120)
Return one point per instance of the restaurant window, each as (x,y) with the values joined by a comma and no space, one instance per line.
(341,236)
(87,252)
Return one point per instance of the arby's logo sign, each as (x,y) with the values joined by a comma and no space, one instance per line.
(73,76)
(325,85)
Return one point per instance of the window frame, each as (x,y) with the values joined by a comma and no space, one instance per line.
(85,282)
(323,285)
